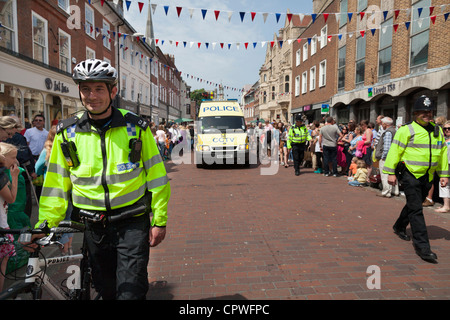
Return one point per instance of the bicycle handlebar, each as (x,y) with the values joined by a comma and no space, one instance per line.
(63,227)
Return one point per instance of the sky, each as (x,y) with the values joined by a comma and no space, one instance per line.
(233,68)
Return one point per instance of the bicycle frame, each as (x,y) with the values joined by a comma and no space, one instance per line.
(34,269)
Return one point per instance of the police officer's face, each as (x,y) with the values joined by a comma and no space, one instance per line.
(424,117)
(96,96)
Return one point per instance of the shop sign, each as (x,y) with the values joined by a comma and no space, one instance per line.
(56,86)
(325,109)
(380,90)
(307,108)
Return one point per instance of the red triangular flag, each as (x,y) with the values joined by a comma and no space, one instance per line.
(179,11)
(156,40)
(362,33)
(246,45)
(361,15)
(433,19)
(289,16)
(396,13)
(176,44)
(199,44)
(431,10)
(272,43)
(216,12)
(253,15)
(299,39)
(329,38)
(103,2)
(141,5)
(395,27)
(221,45)
(325,16)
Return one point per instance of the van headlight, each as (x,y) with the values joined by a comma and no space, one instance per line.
(204,148)
(243,147)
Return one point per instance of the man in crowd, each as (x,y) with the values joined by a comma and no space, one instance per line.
(383,146)
(328,139)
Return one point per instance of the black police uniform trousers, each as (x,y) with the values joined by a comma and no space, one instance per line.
(118,255)
(298,153)
(416,191)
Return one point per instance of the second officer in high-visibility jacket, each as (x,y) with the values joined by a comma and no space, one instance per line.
(297,137)
(418,150)
(106,162)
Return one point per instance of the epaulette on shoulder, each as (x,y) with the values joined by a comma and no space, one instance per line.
(137,120)
(63,124)
(406,124)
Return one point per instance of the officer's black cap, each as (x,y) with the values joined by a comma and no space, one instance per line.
(298,118)
(423,104)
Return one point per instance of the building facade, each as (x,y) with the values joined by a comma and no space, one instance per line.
(314,64)
(275,75)
(403,54)
(40,43)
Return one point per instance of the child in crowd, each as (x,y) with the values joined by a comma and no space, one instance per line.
(8,192)
(352,168)
(360,177)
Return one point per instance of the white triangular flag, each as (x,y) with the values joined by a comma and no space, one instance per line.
(265,16)
(301,16)
(191,12)
(154,7)
(230,13)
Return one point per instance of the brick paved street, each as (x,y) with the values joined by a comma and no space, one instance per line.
(236,234)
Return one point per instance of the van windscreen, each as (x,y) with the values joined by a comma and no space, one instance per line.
(222,123)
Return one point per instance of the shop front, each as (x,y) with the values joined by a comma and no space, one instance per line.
(27,90)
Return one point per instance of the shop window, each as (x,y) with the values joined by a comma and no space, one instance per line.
(420,34)
(341,67)
(360,59)
(89,21)
(64,51)
(8,32)
(385,48)
(40,38)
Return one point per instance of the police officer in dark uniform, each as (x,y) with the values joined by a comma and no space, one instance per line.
(297,137)
(417,151)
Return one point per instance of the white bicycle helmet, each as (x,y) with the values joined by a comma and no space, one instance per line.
(94,70)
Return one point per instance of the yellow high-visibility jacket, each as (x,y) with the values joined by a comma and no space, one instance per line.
(420,150)
(297,135)
(105,179)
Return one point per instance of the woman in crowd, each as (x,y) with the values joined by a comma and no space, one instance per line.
(8,193)
(283,145)
(161,138)
(7,127)
(347,139)
(444,192)
(357,137)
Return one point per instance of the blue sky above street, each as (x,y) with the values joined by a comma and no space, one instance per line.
(233,67)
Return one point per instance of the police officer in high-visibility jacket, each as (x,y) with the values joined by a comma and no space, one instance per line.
(297,137)
(417,151)
(107,164)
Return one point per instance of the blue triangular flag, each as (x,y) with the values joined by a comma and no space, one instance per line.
(229,46)
(350,14)
(281,43)
(373,31)
(446,16)
(254,45)
(419,10)
(162,42)
(313,16)
(385,14)
(277,16)
(207,45)
(407,23)
(184,43)
(340,36)
(204,13)
(242,16)
(309,40)
(166,9)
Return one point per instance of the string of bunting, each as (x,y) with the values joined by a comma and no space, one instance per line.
(111,35)
(242,14)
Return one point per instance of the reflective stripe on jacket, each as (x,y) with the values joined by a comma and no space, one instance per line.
(420,150)
(105,179)
(297,135)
